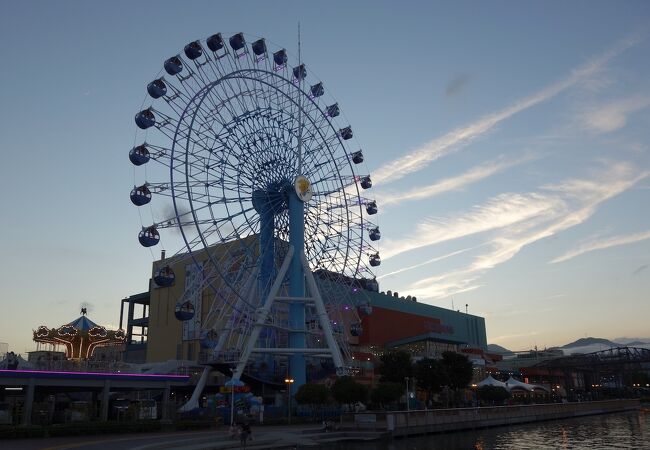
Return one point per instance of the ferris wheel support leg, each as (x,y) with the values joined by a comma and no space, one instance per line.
(249,289)
(262,315)
(297,366)
(323,317)
(193,402)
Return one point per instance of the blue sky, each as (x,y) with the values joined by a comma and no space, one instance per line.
(508,142)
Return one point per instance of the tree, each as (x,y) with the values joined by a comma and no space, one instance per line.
(492,394)
(347,391)
(431,375)
(459,369)
(312,394)
(395,366)
(386,393)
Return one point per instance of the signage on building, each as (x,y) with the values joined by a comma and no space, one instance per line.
(439,328)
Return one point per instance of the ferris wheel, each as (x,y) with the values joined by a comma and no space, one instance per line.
(243,164)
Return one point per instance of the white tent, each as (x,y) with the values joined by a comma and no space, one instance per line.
(489,381)
(513,383)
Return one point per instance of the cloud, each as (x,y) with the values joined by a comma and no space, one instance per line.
(512,336)
(498,212)
(602,244)
(474,175)
(429,261)
(640,269)
(612,116)
(456,84)
(526,219)
(462,136)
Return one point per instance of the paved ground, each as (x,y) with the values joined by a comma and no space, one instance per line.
(263,437)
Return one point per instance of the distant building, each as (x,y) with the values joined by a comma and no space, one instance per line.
(394,322)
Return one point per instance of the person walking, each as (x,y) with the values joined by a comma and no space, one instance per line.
(244,434)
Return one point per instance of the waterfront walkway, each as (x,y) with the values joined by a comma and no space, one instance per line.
(264,437)
(356,426)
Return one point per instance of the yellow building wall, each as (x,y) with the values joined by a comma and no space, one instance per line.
(165,333)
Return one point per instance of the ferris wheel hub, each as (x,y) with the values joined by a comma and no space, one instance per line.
(303,188)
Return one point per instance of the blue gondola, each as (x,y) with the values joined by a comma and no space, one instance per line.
(157,88)
(193,50)
(356,329)
(357,157)
(280,57)
(371,208)
(209,339)
(184,311)
(365,310)
(149,236)
(375,260)
(371,285)
(145,119)
(164,276)
(237,42)
(317,90)
(215,42)
(173,65)
(300,72)
(337,327)
(139,155)
(366,182)
(375,234)
(259,47)
(140,195)
(346,133)
(333,110)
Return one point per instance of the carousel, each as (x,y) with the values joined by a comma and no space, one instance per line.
(80,337)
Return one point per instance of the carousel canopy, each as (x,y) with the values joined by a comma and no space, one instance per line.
(83,323)
(80,337)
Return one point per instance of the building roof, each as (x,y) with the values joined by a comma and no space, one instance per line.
(435,337)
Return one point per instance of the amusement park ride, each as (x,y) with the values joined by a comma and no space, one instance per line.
(267,201)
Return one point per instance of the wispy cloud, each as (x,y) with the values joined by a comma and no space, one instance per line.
(556,208)
(612,116)
(429,261)
(474,175)
(462,136)
(498,212)
(602,244)
(456,84)
(508,337)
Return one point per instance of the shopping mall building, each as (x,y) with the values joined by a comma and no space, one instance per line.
(396,322)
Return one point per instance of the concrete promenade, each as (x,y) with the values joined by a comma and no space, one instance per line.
(264,437)
(355,426)
(403,423)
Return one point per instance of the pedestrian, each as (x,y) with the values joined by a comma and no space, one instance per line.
(232,431)
(244,434)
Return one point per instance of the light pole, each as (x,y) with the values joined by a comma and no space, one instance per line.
(288,382)
(408,407)
(232,405)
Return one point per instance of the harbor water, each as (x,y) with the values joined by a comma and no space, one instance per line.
(630,430)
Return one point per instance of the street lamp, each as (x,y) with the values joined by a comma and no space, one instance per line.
(289,382)
(408,408)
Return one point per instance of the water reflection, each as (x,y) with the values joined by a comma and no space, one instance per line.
(611,431)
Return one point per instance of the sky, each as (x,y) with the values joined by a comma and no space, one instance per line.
(508,144)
